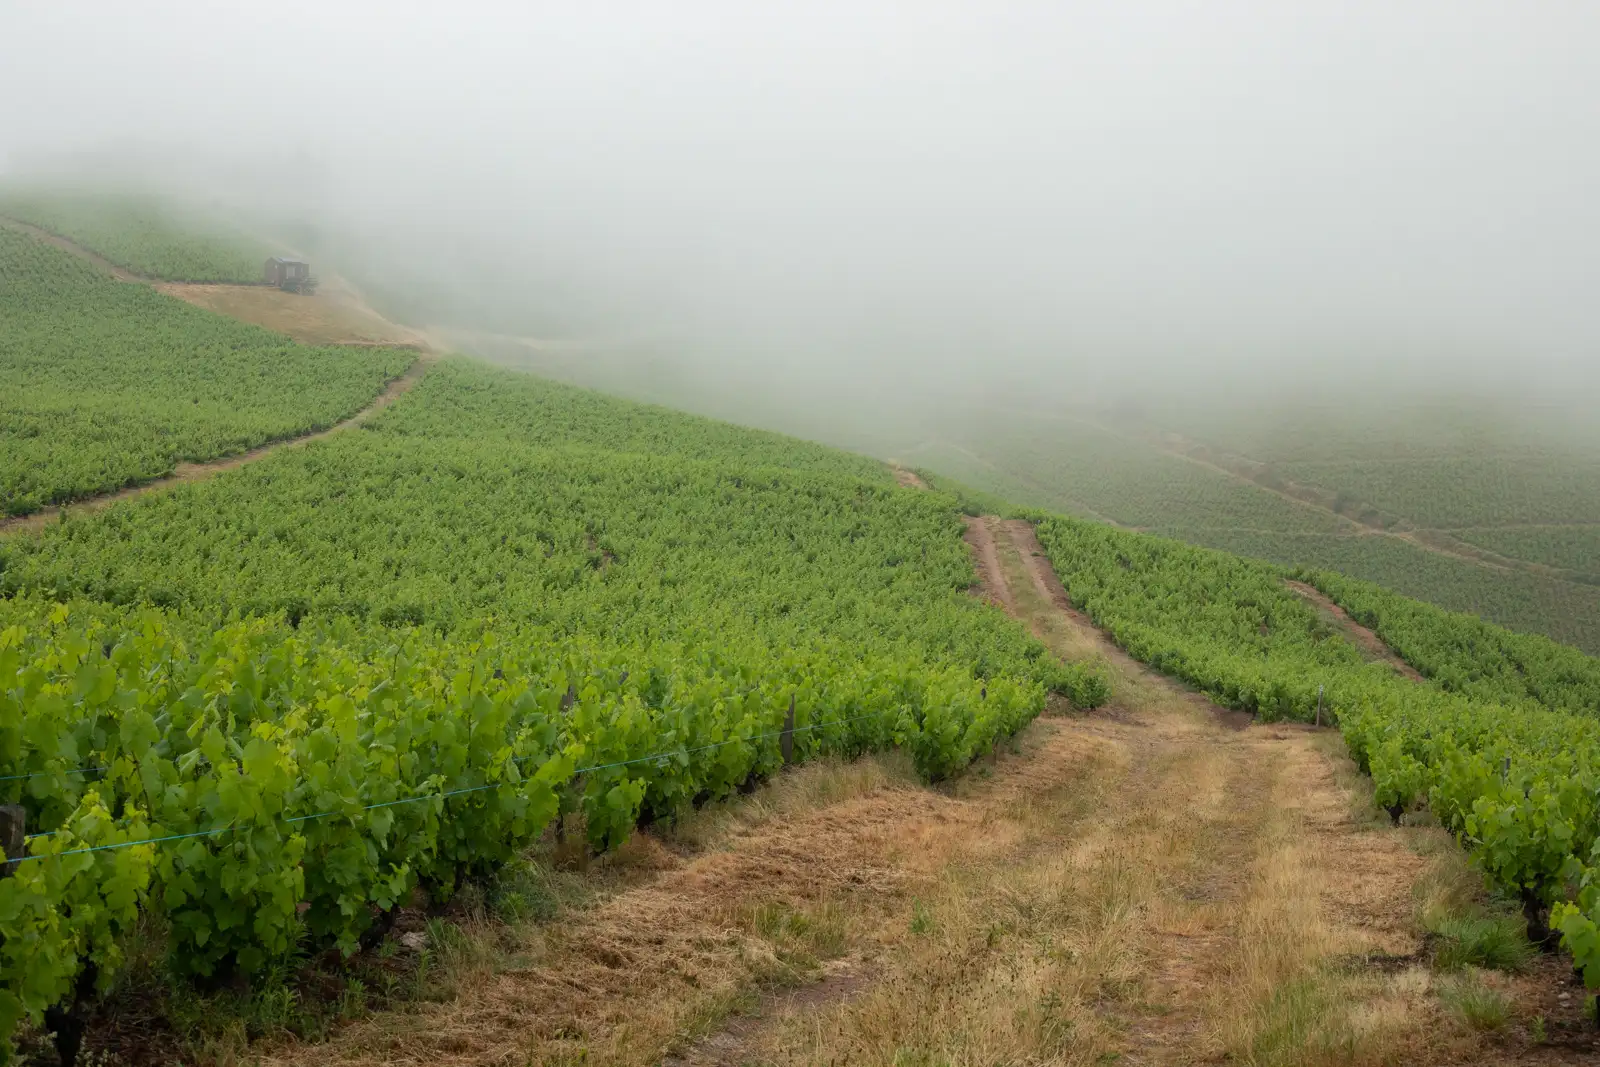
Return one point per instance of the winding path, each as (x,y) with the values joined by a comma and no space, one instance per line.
(198,472)
(122,274)
(194,472)
(1363,638)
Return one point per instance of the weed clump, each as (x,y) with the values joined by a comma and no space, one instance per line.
(1494,942)
(1475,1002)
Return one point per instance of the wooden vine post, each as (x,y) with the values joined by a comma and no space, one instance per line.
(569,698)
(786,739)
(13,836)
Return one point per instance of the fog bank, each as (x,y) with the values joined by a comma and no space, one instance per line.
(852,212)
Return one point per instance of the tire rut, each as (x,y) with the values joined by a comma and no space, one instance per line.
(1275,843)
(991,582)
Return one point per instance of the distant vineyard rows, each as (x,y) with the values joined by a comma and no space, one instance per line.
(109,384)
(1472,490)
(1069,464)
(1569,548)
(1075,466)
(1566,611)
(141,235)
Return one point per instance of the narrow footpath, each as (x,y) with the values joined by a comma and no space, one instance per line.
(1371,645)
(199,472)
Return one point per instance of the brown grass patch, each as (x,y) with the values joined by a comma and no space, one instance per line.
(334,315)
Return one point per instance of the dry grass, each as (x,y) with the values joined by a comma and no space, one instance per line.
(334,315)
(804,788)
(1169,906)
(779,883)
(1323,893)
(1028,917)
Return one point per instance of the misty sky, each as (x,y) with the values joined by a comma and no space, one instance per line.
(820,194)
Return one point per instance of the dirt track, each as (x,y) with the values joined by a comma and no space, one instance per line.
(1138,884)
(1364,639)
(907,478)
(119,273)
(198,472)
(986,558)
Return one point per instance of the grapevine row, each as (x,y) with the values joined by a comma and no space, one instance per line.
(1464,654)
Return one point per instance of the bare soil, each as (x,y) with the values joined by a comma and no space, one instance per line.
(991,583)
(333,315)
(1365,639)
(907,478)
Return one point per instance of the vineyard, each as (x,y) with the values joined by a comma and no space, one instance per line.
(1464,654)
(110,384)
(259,719)
(1530,501)
(467,499)
(1504,750)
(271,707)
(1571,548)
(1471,490)
(141,234)
(294,785)
(1533,603)
(1073,464)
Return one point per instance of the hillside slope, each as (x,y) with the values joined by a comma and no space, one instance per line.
(111,384)
(385,663)
(144,235)
(260,724)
